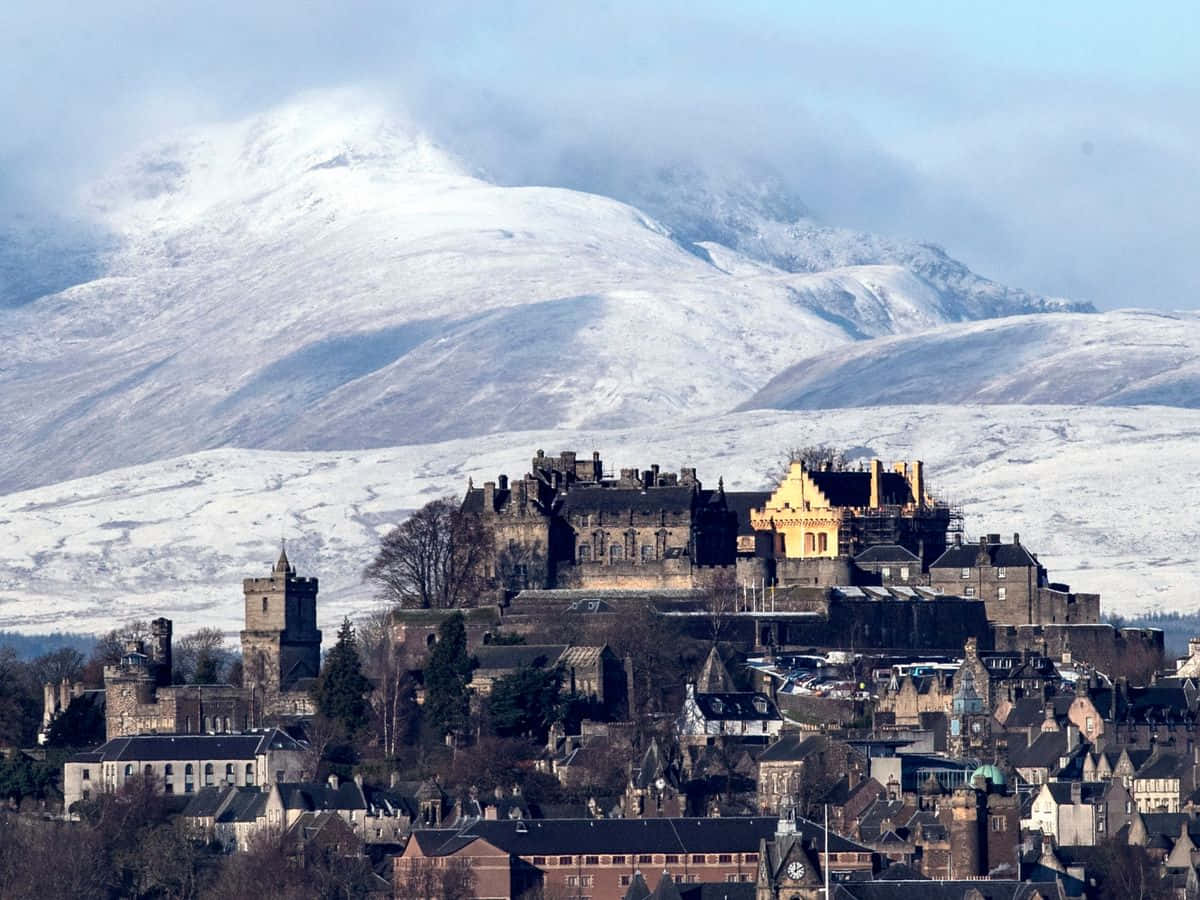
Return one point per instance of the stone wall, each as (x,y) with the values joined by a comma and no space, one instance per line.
(1102,646)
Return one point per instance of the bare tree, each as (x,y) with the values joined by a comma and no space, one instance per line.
(423,879)
(814,456)
(388,663)
(720,603)
(200,657)
(435,560)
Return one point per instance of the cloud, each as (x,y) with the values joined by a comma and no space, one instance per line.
(872,123)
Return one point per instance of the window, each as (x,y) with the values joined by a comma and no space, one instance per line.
(168,788)
(969,591)
(591,860)
(564,860)
(618,860)
(539,860)
(208,774)
(644,858)
(904,573)
(87,775)
(87,795)
(698,858)
(1001,572)
(822,542)
(672,858)
(751,857)
(966,573)
(725,858)
(886,572)
(264,604)
(249,773)
(585,553)
(626,880)
(1001,593)
(1100,825)
(999,823)
(229,776)
(647,553)
(128,772)
(616,552)
(168,770)
(731,879)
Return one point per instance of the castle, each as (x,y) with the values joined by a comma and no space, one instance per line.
(565,525)
(281,653)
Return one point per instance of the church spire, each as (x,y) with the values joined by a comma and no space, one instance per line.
(282,566)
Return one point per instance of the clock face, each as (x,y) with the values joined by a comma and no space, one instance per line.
(796,871)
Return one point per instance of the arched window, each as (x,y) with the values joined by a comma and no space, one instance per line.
(227,728)
(168,770)
(208,725)
(149,770)
(229,778)
(189,782)
(809,543)
(822,542)
(128,771)
(208,774)
(585,553)
(249,773)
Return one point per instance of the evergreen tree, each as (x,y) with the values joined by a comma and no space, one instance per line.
(527,702)
(341,691)
(446,678)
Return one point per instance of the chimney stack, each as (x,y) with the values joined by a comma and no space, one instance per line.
(876,484)
(1017,538)
(489,496)
(503,480)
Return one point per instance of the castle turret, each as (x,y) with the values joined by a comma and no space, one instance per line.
(280,644)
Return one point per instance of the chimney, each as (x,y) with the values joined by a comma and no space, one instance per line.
(1072,737)
(876,484)
(503,482)
(64,695)
(916,482)
(654,470)
(1076,792)
(958,539)
(489,496)
(1016,539)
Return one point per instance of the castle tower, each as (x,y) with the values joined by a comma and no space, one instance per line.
(160,651)
(281,644)
(965,857)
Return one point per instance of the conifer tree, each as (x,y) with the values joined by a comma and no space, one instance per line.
(341,691)
(446,678)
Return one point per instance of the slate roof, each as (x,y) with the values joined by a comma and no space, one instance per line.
(742,890)
(188,747)
(547,837)
(1166,765)
(740,503)
(793,746)
(1012,556)
(590,498)
(515,656)
(1043,753)
(314,797)
(942,890)
(737,707)
(581,657)
(853,489)
(887,553)
(1089,791)
(473,502)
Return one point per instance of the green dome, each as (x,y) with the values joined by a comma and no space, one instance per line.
(990,773)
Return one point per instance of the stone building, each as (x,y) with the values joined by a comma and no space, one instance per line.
(281,653)
(281,645)
(184,764)
(1012,583)
(564,524)
(827,514)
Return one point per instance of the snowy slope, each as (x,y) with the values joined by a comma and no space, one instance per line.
(1106,496)
(322,276)
(1120,359)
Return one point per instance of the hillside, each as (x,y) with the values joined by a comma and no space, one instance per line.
(1113,359)
(324,277)
(1105,495)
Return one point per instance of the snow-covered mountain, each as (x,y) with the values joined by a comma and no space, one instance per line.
(323,276)
(1118,359)
(1105,495)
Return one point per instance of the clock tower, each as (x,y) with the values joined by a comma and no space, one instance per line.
(788,866)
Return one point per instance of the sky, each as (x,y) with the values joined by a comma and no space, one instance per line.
(1054,147)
